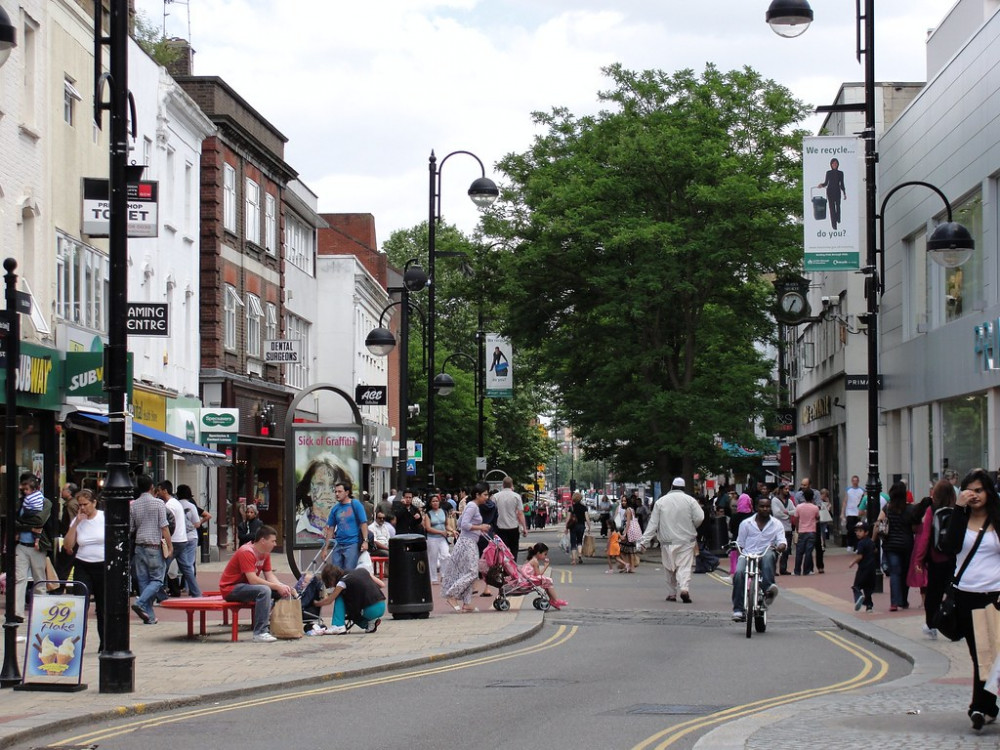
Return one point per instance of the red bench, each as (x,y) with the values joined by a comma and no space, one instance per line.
(205,604)
(381,566)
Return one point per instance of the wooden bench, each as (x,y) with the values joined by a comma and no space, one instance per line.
(205,604)
(381,565)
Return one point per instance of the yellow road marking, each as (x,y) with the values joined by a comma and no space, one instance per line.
(562,635)
(873,669)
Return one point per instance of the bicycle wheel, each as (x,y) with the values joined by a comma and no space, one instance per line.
(760,621)
(750,602)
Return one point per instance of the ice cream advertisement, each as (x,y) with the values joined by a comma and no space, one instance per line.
(56,637)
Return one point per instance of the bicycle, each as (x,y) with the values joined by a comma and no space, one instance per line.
(754,597)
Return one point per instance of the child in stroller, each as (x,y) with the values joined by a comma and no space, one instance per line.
(538,554)
(499,569)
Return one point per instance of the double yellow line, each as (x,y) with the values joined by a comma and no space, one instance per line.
(873,669)
(562,635)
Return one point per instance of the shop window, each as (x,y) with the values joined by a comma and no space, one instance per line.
(231,302)
(254,314)
(963,432)
(81,283)
(963,286)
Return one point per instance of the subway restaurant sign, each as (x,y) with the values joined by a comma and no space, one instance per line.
(219,426)
(39,377)
(84,374)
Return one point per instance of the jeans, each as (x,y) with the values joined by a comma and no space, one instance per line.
(345,555)
(788,550)
(150,567)
(766,567)
(899,592)
(804,553)
(369,613)
(852,538)
(25,557)
(184,553)
(260,595)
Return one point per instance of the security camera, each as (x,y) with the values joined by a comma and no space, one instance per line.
(825,301)
(414,410)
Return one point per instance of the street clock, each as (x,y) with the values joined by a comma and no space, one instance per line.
(793,306)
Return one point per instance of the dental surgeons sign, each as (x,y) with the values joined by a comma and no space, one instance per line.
(831,178)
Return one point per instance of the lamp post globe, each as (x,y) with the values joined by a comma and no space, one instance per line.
(789,18)
(414,277)
(444,384)
(483,192)
(380,342)
(950,244)
(8,36)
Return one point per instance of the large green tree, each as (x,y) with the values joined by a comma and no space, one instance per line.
(644,239)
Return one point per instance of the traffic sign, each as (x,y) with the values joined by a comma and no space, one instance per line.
(411,467)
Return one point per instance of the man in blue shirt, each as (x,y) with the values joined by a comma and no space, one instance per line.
(758,534)
(348,525)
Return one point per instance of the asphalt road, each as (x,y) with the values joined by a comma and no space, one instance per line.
(619,668)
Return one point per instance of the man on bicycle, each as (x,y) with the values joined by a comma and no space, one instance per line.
(759,534)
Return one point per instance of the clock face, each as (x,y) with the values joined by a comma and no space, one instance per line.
(793,303)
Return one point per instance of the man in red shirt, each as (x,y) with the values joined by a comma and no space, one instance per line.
(808,514)
(248,578)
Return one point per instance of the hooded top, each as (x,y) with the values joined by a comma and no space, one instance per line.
(744,504)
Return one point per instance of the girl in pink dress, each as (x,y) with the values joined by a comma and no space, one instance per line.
(534,570)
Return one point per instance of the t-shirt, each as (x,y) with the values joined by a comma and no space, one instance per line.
(344,519)
(807,514)
(866,548)
(853,497)
(90,538)
(180,535)
(359,590)
(244,561)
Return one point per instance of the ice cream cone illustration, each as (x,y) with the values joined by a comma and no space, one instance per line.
(66,652)
(48,651)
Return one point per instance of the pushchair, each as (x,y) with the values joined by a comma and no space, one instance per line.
(310,587)
(499,569)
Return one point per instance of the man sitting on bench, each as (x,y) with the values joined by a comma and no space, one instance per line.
(248,578)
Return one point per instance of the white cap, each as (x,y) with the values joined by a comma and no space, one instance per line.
(678,482)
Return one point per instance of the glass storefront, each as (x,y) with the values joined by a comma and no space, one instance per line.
(964,443)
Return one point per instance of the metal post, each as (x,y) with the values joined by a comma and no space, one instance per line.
(11,674)
(873,486)
(481,386)
(434,176)
(404,387)
(117,663)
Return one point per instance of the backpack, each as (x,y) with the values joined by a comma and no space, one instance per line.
(939,528)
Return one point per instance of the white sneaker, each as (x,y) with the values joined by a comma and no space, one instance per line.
(264,638)
(317,629)
(930,632)
(336,630)
(770,594)
(739,616)
(851,550)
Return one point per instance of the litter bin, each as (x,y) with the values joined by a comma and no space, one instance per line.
(410,578)
(717,536)
(819,207)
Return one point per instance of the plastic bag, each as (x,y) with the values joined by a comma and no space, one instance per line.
(365,561)
(564,542)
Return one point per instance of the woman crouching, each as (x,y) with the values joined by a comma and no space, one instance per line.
(356,595)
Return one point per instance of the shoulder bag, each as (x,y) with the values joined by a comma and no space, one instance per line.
(945,620)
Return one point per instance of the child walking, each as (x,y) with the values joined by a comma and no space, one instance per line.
(615,552)
(538,555)
(866,559)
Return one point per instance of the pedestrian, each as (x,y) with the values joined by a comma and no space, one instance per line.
(511,522)
(823,527)
(348,525)
(781,508)
(674,522)
(248,577)
(760,534)
(436,528)
(928,550)
(151,533)
(614,552)
(866,561)
(33,541)
(577,527)
(974,535)
(535,568)
(807,515)
(356,595)
(850,512)
(84,543)
(461,570)
(898,544)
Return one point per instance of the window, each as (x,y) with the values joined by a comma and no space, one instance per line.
(963,286)
(70,97)
(230,303)
(253,212)
(297,375)
(298,243)
(81,283)
(29,56)
(254,314)
(271,330)
(964,432)
(229,198)
(270,225)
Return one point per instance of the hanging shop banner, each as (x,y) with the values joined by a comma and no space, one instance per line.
(57,629)
(219,426)
(143,219)
(150,409)
(38,378)
(499,372)
(323,456)
(83,374)
(831,176)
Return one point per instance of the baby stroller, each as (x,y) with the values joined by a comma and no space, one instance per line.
(310,587)
(499,569)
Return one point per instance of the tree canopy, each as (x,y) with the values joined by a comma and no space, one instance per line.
(643,239)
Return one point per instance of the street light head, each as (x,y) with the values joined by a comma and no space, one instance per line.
(484,192)
(8,36)
(380,342)
(950,244)
(444,384)
(415,277)
(789,18)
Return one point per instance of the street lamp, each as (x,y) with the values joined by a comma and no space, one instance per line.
(483,193)
(380,342)
(444,384)
(8,36)
(789,18)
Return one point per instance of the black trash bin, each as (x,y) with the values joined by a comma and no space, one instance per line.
(409,577)
(718,535)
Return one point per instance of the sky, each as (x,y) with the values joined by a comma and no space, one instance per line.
(364,91)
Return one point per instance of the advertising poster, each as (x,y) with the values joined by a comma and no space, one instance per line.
(323,456)
(57,630)
(832,178)
(499,371)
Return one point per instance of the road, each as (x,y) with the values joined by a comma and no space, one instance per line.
(619,668)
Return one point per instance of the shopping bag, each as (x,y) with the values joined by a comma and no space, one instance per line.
(588,545)
(986,626)
(564,542)
(286,619)
(365,561)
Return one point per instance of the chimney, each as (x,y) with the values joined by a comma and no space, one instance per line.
(184,64)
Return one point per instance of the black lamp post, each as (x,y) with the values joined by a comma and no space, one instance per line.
(381,341)
(790,18)
(11,674)
(483,192)
(117,663)
(444,384)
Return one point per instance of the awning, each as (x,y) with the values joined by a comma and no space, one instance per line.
(190,452)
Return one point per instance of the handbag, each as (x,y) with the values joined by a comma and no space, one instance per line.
(633,532)
(286,619)
(945,620)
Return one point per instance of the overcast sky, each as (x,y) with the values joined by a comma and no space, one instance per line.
(365,90)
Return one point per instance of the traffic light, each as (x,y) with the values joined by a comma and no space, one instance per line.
(266,427)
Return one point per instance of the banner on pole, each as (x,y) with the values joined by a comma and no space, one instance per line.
(831,176)
(499,372)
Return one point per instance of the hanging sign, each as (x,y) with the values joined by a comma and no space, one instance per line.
(499,373)
(831,178)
